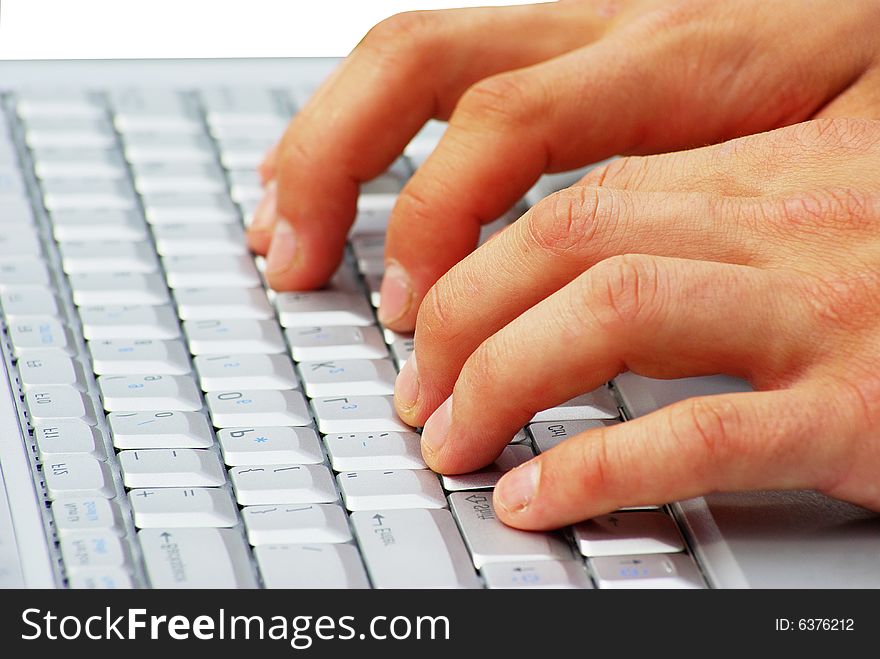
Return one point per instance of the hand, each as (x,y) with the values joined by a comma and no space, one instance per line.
(758,258)
(538,88)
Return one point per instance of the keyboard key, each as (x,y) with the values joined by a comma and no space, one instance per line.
(311,566)
(319,522)
(129,322)
(283,484)
(138,393)
(20,301)
(70,133)
(83,193)
(76,163)
(160,429)
(243,106)
(512,456)
(202,239)
(98,224)
(196,558)
(536,574)
(189,207)
(126,357)
(634,532)
(417,548)
(180,467)
(232,409)
(66,103)
(107,257)
(401,346)
(23,243)
(319,343)
(175,507)
(596,404)
(347,414)
(169,111)
(222,302)
(67,437)
(550,433)
(77,476)
(59,402)
(38,333)
(219,372)
(646,571)
(94,549)
(22,273)
(103,579)
(179,177)
(149,147)
(317,308)
(38,368)
(130,288)
(381,450)
(491,541)
(75,515)
(221,337)
(270,446)
(391,489)
(356,377)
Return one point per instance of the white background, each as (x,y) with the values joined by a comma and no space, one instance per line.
(69,29)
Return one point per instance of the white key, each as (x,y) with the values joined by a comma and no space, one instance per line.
(369,250)
(70,133)
(24,243)
(345,414)
(283,484)
(79,194)
(43,102)
(17,209)
(160,429)
(127,356)
(310,308)
(245,186)
(244,153)
(244,106)
(669,571)
(67,437)
(311,566)
(618,534)
(211,271)
(101,579)
(68,162)
(29,333)
(129,322)
(59,402)
(317,343)
(190,207)
(511,456)
(137,109)
(182,507)
(415,548)
(550,433)
(491,541)
(222,302)
(318,522)
(107,256)
(370,222)
(268,407)
(379,450)
(175,467)
(596,404)
(77,476)
(178,177)
(28,301)
(220,337)
(356,377)
(23,273)
(190,239)
(218,372)
(99,288)
(38,368)
(270,446)
(401,347)
(148,147)
(77,514)
(391,489)
(98,224)
(196,558)
(381,192)
(95,549)
(138,393)
(536,574)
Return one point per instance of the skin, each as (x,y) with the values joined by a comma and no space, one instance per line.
(757,257)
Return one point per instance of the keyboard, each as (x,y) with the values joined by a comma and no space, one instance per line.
(189,427)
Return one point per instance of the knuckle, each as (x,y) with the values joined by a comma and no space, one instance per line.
(622,290)
(837,134)
(505,100)
(574,219)
(595,461)
(714,423)
(820,210)
(844,300)
(396,40)
(436,324)
(624,173)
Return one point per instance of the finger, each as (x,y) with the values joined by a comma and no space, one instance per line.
(343,135)
(713,443)
(655,316)
(259,234)
(553,243)
(861,100)
(266,168)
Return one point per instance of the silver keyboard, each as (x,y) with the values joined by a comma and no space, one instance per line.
(192,428)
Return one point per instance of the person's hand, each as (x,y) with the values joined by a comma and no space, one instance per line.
(541,88)
(758,258)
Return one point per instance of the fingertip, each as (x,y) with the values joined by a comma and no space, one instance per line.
(396,298)
(516,494)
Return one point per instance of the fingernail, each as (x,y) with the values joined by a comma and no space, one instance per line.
(264,213)
(437,426)
(518,487)
(406,388)
(283,247)
(395,294)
